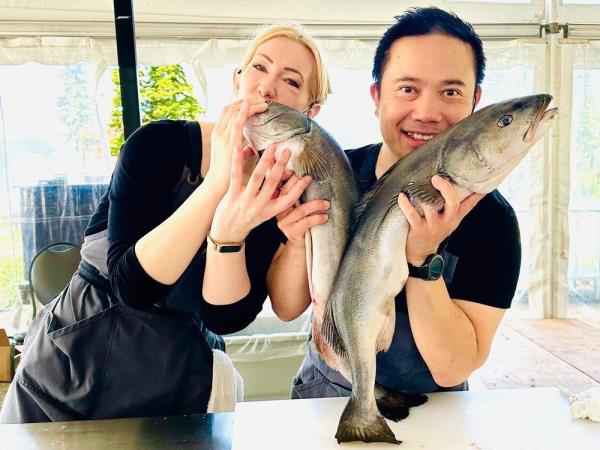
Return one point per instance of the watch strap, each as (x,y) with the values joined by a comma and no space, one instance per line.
(225,247)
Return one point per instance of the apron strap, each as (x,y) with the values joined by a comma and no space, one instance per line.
(367,169)
(194,156)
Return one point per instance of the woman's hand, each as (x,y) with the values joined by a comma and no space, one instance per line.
(245,206)
(227,138)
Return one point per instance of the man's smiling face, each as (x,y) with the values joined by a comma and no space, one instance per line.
(427,85)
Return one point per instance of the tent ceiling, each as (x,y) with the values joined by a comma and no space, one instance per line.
(239,18)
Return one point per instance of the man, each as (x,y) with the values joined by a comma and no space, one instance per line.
(427,73)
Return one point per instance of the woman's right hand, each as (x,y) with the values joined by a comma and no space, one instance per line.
(227,138)
(248,204)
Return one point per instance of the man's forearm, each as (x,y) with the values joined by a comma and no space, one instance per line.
(443,333)
(287,282)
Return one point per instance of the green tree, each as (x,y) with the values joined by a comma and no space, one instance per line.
(164,94)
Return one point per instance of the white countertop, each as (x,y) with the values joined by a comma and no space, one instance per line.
(508,419)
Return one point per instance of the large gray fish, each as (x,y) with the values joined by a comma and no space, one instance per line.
(314,153)
(475,155)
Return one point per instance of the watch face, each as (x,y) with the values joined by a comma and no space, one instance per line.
(229,248)
(436,267)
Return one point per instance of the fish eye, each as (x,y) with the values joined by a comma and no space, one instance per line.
(505,120)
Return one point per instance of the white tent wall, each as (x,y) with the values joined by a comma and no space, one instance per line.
(213,34)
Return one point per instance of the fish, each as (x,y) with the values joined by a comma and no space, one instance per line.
(316,153)
(475,155)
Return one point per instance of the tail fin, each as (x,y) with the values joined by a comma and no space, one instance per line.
(356,425)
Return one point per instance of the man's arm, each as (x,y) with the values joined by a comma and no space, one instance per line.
(287,281)
(453,336)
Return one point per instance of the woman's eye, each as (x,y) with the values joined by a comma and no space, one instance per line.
(259,67)
(293,83)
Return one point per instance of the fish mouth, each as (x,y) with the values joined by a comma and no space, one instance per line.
(542,118)
(255,119)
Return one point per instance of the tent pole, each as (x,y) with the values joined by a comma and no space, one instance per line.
(125,34)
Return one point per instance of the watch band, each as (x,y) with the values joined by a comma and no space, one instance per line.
(225,247)
(431,270)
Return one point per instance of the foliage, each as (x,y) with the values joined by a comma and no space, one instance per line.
(164,94)
(11,270)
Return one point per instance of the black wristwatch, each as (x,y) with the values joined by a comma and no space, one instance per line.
(431,270)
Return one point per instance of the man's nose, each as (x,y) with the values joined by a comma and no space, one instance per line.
(427,108)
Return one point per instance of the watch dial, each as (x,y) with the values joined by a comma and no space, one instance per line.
(436,267)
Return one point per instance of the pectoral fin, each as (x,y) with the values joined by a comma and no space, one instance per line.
(423,191)
(312,162)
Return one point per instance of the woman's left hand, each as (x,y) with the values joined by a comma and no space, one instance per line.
(245,206)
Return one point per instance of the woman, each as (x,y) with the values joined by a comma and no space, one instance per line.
(129,336)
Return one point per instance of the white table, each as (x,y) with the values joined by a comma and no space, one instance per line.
(510,419)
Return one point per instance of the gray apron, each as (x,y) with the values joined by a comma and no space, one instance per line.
(401,368)
(88,355)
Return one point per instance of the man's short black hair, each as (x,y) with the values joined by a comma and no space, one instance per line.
(421,21)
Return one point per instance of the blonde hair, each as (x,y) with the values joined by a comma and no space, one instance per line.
(319,87)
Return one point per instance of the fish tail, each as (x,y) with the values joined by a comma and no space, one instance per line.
(358,425)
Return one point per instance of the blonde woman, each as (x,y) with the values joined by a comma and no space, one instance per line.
(178,252)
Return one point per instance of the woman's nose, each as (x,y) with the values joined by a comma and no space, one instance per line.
(266,90)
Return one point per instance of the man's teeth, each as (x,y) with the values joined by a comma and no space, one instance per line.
(421,137)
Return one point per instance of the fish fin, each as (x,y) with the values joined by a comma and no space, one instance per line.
(323,348)
(331,333)
(395,405)
(423,191)
(387,331)
(355,425)
(312,162)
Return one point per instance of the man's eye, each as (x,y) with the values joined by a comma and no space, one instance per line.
(406,89)
(452,92)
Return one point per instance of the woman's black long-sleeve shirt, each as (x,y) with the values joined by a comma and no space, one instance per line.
(141,195)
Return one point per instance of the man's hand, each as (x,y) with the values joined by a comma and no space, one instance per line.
(298,219)
(426,233)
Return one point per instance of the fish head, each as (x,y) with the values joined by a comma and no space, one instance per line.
(279,123)
(482,149)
